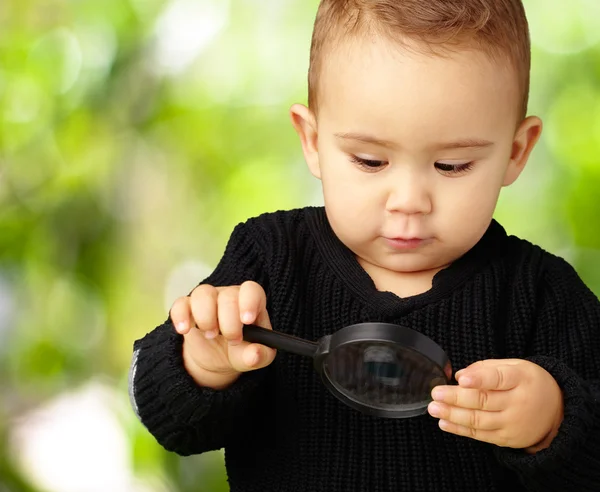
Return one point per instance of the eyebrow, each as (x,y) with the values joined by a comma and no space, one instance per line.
(464,143)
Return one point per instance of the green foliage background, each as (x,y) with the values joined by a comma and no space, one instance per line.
(135,134)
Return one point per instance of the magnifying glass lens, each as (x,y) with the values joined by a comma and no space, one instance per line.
(381,369)
(383,375)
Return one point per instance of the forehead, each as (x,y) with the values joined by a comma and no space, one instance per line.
(382,86)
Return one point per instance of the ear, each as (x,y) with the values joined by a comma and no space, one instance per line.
(305,125)
(526,137)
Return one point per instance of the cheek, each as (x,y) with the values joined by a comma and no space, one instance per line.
(469,208)
(350,200)
(347,198)
(477,193)
(343,185)
(476,199)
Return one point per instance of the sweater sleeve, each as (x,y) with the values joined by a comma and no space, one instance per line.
(566,342)
(182,416)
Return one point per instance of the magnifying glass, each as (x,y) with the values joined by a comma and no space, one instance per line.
(380,369)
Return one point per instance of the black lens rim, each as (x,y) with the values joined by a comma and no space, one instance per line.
(381,332)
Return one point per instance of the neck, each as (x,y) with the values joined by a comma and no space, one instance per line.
(403,284)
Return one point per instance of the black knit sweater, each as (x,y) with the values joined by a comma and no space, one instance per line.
(283,431)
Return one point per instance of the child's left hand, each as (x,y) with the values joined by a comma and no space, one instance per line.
(508,402)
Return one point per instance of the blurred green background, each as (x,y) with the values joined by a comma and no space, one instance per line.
(134,135)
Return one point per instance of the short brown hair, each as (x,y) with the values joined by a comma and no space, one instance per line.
(498,28)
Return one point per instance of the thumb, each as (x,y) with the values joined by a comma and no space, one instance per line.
(500,377)
(257,356)
(250,356)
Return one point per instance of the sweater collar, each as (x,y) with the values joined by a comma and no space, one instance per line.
(387,304)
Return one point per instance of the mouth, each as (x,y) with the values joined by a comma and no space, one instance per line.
(405,243)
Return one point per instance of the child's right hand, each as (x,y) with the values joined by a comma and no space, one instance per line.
(211,320)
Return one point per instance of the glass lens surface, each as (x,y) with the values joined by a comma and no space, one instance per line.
(383,375)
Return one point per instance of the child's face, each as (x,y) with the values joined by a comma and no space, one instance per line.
(451,143)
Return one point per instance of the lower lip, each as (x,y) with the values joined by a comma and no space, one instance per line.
(405,244)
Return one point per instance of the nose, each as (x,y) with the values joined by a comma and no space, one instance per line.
(409,194)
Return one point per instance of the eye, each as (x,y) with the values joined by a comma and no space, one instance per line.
(367,164)
(454,169)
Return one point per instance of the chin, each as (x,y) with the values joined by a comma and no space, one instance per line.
(407,266)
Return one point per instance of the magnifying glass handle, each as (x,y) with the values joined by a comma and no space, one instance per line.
(279,341)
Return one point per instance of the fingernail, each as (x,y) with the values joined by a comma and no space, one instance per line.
(247,317)
(211,334)
(181,327)
(434,409)
(437,394)
(465,381)
(255,359)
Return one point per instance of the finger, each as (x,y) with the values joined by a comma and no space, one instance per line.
(474,419)
(203,300)
(228,314)
(487,363)
(181,315)
(250,356)
(253,305)
(456,396)
(491,436)
(492,377)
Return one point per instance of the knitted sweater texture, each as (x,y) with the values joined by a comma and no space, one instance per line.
(283,431)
